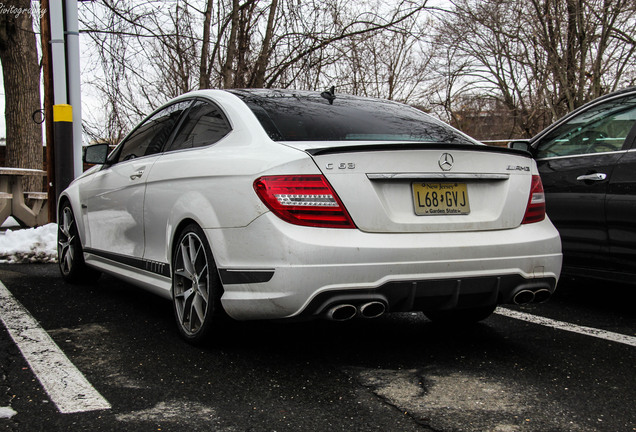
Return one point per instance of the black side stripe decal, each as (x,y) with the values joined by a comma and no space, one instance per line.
(228,277)
(162,269)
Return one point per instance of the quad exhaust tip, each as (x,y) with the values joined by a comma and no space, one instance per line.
(542,295)
(345,311)
(523,297)
(372,309)
(526,296)
(342,312)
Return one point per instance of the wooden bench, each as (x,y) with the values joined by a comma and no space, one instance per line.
(28,208)
(36,195)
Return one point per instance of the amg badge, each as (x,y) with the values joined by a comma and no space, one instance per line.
(518,168)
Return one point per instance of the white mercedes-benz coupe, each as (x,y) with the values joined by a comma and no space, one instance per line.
(279,204)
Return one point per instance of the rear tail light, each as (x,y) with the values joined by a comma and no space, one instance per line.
(535,212)
(305,200)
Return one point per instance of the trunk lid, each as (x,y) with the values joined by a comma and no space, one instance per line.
(427,187)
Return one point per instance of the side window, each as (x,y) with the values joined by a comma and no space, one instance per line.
(598,130)
(151,135)
(205,124)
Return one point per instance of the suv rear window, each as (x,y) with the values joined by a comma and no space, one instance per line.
(306,116)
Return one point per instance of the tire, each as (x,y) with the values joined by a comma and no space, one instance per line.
(460,316)
(70,255)
(196,287)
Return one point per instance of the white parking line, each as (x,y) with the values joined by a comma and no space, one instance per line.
(64,383)
(588,331)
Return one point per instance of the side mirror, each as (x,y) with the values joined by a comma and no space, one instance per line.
(96,154)
(521,145)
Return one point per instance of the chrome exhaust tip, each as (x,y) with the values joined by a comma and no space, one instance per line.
(523,297)
(542,295)
(372,309)
(342,312)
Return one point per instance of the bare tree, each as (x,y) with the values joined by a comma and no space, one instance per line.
(393,64)
(126,39)
(588,45)
(151,51)
(176,63)
(533,60)
(21,73)
(540,58)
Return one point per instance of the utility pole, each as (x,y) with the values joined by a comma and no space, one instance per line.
(60,47)
(73,78)
(47,73)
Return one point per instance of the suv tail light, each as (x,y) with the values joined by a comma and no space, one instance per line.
(535,212)
(305,200)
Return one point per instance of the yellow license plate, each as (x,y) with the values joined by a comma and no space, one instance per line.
(440,199)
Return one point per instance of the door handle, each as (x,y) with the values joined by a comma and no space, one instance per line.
(137,175)
(592,177)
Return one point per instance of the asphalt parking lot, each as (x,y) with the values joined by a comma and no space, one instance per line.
(574,371)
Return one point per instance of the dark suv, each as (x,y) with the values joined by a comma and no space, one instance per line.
(587,162)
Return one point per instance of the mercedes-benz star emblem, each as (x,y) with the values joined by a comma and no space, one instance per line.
(446,161)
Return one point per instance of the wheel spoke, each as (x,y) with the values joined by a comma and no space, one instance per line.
(183,302)
(199,307)
(187,263)
(67,224)
(192,314)
(68,258)
(195,247)
(64,232)
(202,289)
(185,296)
(202,274)
(63,260)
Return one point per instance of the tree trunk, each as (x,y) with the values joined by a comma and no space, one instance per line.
(266,48)
(227,70)
(204,70)
(21,75)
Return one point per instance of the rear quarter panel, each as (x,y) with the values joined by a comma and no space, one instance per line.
(212,186)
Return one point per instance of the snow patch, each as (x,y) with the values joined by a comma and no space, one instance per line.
(32,245)
(7,412)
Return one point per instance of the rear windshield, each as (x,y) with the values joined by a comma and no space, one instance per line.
(306,116)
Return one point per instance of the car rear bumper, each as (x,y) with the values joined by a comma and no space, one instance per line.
(434,294)
(272,269)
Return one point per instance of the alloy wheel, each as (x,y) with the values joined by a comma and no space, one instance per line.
(65,241)
(191,284)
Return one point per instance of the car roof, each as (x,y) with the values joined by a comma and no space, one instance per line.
(266,93)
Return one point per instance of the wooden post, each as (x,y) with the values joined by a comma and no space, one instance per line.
(47,72)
